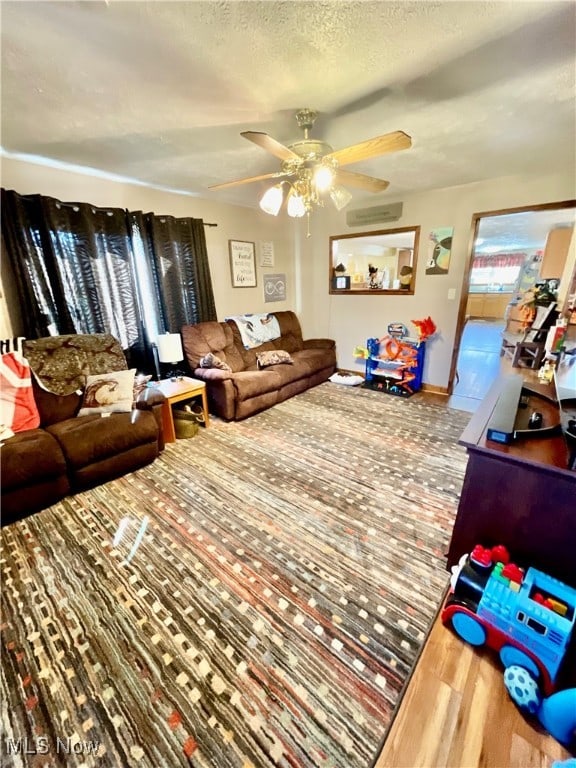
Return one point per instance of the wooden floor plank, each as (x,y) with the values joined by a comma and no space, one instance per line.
(456,712)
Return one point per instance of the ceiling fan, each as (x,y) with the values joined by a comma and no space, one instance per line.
(311,168)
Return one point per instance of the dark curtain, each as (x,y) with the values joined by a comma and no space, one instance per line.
(41,294)
(74,271)
(181,284)
(84,269)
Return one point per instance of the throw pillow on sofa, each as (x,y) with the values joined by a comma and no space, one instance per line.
(212,361)
(18,410)
(273,357)
(108,393)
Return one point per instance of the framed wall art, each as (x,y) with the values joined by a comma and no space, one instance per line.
(267,254)
(242,263)
(439,251)
(274,287)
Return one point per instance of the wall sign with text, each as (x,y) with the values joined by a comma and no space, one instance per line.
(242,263)
(267,254)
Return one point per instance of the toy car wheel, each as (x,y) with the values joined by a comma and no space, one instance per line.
(513,657)
(469,629)
(523,689)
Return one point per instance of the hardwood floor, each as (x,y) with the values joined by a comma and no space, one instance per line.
(456,712)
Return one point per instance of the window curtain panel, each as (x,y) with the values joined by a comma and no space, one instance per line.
(26,248)
(73,267)
(79,268)
(180,280)
(499,260)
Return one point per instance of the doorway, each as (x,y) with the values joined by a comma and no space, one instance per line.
(510,251)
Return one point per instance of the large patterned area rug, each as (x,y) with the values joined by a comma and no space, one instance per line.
(256,597)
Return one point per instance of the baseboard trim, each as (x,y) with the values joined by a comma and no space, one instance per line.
(436,390)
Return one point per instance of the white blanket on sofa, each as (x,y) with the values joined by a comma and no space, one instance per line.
(256,329)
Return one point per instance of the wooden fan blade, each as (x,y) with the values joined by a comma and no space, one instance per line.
(270,145)
(381,145)
(360,181)
(249,180)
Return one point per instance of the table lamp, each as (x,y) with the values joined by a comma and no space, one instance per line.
(170,352)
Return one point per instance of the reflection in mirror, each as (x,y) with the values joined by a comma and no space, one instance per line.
(374,262)
(518,263)
(513,252)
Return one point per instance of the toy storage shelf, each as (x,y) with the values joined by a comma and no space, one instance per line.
(394,366)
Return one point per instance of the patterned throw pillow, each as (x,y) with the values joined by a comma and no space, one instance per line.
(108,393)
(211,361)
(18,410)
(273,357)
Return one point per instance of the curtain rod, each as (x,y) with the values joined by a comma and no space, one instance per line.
(101,208)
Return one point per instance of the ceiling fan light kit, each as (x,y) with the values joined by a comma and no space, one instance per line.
(296,206)
(271,201)
(340,197)
(311,169)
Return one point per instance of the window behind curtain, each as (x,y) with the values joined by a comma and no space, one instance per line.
(84,269)
(93,255)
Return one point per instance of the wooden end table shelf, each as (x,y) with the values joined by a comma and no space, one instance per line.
(176,391)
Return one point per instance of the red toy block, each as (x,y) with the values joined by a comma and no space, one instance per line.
(512,572)
(500,554)
(481,555)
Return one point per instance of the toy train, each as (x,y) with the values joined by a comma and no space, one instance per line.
(528,617)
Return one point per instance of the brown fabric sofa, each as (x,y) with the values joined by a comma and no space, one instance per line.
(246,389)
(70,453)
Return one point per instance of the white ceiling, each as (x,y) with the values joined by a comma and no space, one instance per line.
(159,91)
(521,231)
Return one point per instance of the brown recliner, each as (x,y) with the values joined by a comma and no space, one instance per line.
(246,389)
(70,453)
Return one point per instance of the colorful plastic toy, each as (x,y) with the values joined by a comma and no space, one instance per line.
(394,365)
(557,713)
(529,618)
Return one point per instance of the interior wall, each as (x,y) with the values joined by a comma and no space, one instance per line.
(305,261)
(351,320)
(234,223)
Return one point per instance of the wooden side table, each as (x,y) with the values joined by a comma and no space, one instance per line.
(176,391)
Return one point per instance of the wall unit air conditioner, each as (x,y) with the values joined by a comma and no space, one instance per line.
(374,215)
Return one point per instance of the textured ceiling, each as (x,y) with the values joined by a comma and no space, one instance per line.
(159,91)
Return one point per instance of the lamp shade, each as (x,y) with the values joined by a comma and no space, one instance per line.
(296,206)
(323,177)
(170,348)
(271,200)
(340,197)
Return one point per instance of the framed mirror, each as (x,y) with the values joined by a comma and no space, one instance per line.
(374,262)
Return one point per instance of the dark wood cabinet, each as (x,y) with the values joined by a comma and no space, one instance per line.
(521,495)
